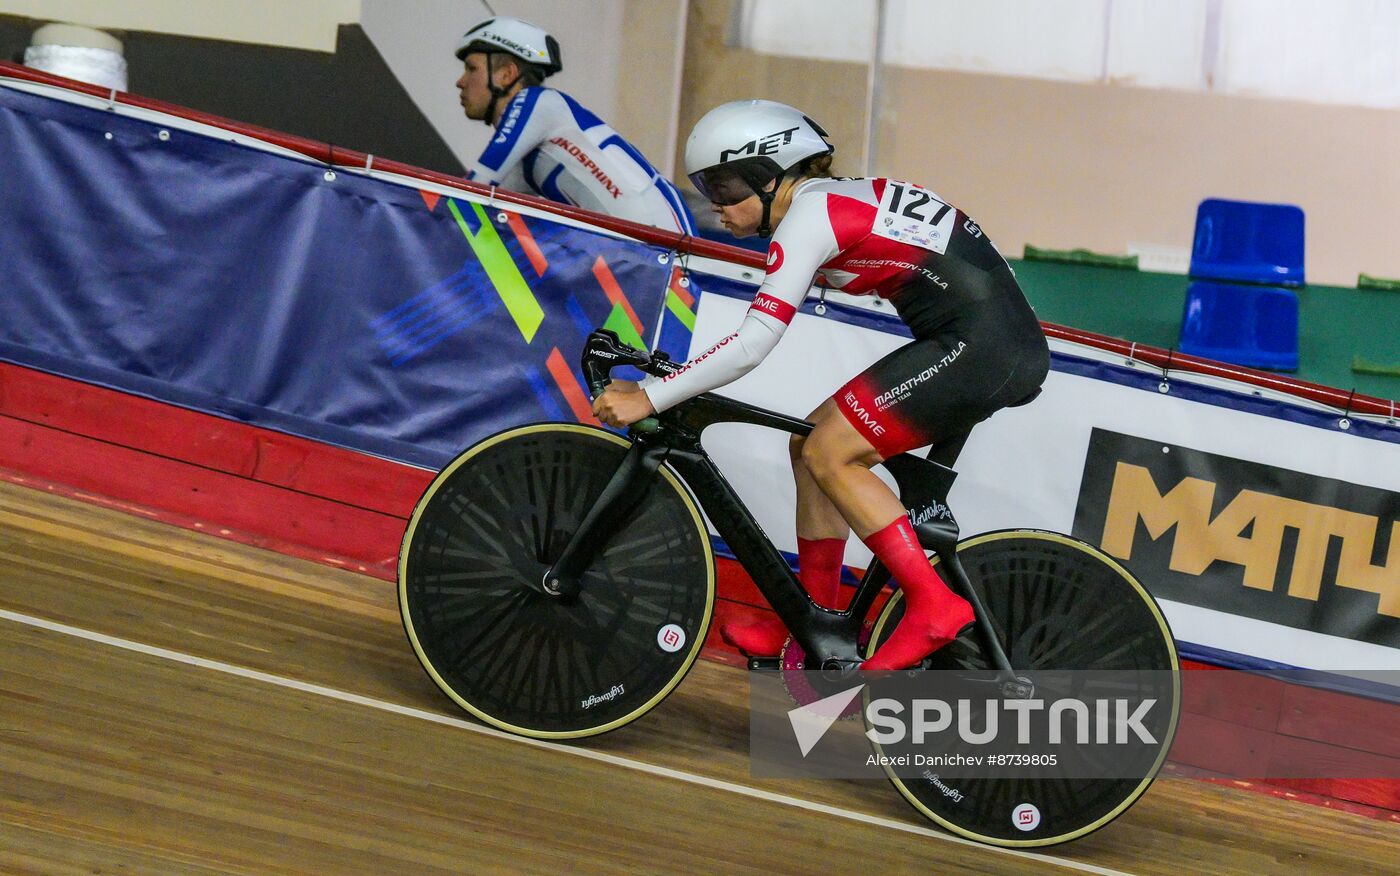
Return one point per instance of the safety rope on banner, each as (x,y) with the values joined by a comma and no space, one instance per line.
(329,174)
(1166,385)
(1345,422)
(680,255)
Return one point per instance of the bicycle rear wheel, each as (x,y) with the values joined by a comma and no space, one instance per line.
(486,530)
(1058,604)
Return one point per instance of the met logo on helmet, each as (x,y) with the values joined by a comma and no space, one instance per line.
(765,145)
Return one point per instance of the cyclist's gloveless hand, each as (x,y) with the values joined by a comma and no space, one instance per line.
(622,404)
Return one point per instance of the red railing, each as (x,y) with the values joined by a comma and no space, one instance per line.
(326,153)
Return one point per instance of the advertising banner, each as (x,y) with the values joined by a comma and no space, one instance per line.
(269,289)
(1280,546)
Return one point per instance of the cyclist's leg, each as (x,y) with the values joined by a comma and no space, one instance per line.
(821,548)
(839,459)
(821,530)
(817,517)
(928,392)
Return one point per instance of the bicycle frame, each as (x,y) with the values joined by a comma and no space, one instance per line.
(829,637)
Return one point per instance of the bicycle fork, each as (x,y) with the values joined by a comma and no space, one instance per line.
(626,489)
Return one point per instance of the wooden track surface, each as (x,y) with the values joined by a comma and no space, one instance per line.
(134,760)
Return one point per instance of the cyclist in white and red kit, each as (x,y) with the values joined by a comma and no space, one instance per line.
(977,348)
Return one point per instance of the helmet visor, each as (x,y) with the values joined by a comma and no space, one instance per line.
(728,184)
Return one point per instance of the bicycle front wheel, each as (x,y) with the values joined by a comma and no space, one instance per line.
(1058,604)
(479,543)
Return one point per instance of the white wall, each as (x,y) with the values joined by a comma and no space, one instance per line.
(417,40)
(1095,164)
(1067,164)
(1327,51)
(303,24)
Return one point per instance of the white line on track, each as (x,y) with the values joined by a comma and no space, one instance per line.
(610,759)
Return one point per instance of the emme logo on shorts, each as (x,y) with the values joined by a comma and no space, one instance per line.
(859,410)
(1251,539)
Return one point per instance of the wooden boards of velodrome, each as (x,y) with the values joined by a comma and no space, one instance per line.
(176,703)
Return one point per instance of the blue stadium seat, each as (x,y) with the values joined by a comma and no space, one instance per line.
(1244,242)
(1255,326)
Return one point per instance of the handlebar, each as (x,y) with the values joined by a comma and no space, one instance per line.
(604,351)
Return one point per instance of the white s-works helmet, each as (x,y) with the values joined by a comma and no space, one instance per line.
(501,33)
(738,148)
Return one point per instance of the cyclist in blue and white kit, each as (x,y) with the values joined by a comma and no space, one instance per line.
(546,142)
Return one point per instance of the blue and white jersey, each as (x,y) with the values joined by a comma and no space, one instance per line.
(547,143)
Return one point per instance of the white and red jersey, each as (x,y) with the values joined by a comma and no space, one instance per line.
(862,237)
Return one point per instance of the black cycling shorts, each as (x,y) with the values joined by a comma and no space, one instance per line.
(934,388)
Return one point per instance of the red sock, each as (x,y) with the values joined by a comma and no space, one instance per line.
(933,614)
(756,636)
(819,568)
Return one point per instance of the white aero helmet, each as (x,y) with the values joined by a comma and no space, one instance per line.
(738,148)
(512,36)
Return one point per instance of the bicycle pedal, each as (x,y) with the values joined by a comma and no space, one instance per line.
(757,663)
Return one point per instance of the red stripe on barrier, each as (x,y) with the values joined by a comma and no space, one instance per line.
(605,278)
(210,442)
(266,542)
(527,242)
(568,384)
(262,514)
(1184,363)
(1341,795)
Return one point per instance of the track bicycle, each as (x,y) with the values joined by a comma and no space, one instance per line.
(557,581)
